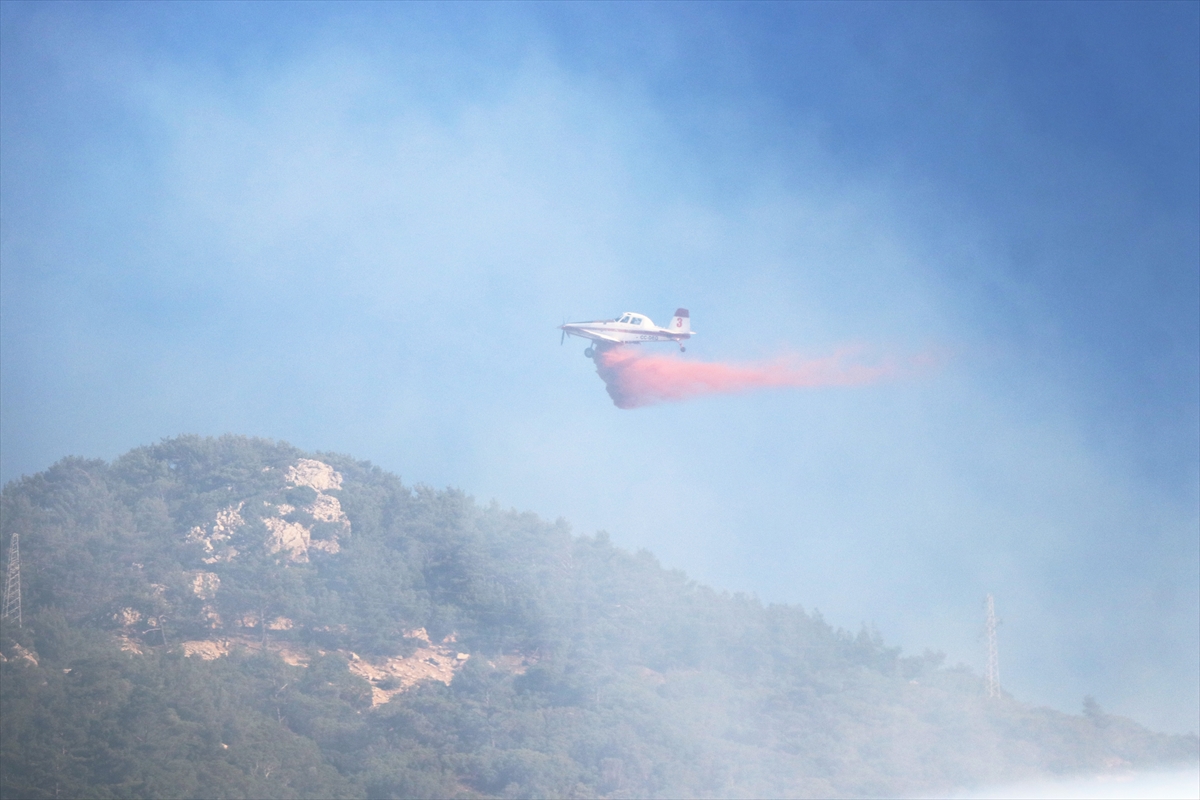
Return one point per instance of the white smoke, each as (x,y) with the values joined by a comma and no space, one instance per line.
(1162,785)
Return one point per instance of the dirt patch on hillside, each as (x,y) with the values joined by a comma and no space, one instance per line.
(206,649)
(391,676)
(515,663)
(388,676)
(128,645)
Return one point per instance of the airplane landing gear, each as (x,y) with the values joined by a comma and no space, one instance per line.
(682,349)
(589,352)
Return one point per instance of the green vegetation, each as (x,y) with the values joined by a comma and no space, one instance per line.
(592,672)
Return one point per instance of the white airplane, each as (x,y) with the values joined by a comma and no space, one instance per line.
(630,328)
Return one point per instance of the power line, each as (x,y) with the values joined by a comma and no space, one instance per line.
(12,582)
(993,654)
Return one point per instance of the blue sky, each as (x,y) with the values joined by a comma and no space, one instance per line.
(355,228)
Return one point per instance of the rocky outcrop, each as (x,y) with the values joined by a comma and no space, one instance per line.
(127,617)
(391,676)
(289,538)
(314,474)
(205,584)
(129,645)
(207,649)
(294,539)
(388,676)
(214,538)
(19,653)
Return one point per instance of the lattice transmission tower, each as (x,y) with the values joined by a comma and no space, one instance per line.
(993,653)
(12,582)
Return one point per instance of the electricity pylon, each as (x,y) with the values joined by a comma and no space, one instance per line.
(993,654)
(12,582)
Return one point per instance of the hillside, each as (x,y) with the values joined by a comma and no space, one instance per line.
(236,618)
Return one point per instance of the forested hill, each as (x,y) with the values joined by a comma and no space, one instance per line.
(236,618)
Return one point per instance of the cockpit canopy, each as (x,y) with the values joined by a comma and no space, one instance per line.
(635,319)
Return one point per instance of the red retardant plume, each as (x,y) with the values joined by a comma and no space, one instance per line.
(641,380)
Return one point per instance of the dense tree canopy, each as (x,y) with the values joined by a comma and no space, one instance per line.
(583,670)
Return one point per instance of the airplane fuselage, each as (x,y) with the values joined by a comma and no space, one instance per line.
(631,328)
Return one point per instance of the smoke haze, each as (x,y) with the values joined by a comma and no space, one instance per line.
(354,227)
(1162,785)
(634,380)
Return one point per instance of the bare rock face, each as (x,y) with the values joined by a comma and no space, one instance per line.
(290,538)
(327,509)
(129,645)
(388,676)
(205,584)
(127,617)
(314,474)
(23,654)
(330,546)
(208,649)
(391,676)
(214,537)
(294,539)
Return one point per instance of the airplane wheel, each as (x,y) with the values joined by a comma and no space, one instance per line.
(683,349)
(589,352)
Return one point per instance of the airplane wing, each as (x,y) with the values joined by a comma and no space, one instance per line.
(599,337)
(595,336)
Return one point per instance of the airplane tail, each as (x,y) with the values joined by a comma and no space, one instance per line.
(681,322)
